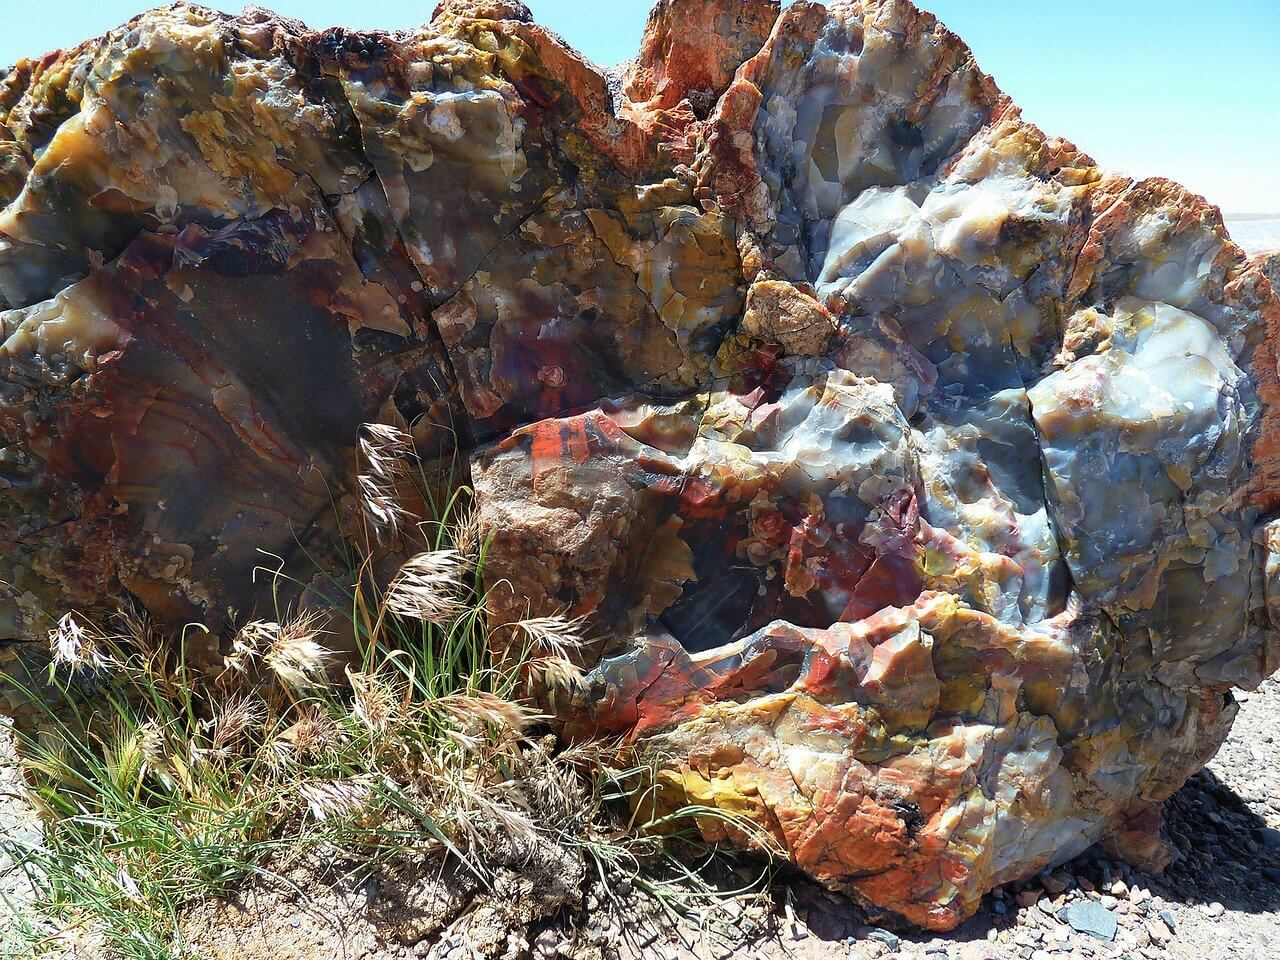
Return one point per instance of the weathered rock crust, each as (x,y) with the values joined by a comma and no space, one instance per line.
(914,475)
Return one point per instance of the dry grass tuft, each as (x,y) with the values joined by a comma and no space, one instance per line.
(160,790)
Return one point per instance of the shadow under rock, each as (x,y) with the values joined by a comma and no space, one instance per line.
(1224,851)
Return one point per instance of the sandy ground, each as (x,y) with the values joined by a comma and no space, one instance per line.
(1219,899)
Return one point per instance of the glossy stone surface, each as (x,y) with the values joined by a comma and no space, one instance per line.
(915,477)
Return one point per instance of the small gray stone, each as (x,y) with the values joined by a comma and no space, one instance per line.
(1158,932)
(1093,919)
(890,940)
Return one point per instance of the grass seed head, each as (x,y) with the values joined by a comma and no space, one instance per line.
(336,799)
(295,656)
(559,673)
(251,641)
(553,636)
(381,506)
(73,646)
(233,720)
(471,711)
(373,701)
(386,451)
(428,587)
(312,734)
(126,762)
(468,532)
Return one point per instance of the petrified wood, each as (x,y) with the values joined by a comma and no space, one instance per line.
(914,475)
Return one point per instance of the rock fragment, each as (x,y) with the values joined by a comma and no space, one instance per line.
(1092,918)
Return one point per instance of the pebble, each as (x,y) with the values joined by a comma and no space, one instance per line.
(1054,884)
(1169,922)
(1158,932)
(1093,919)
(1215,909)
(890,940)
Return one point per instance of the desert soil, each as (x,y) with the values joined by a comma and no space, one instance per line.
(1219,899)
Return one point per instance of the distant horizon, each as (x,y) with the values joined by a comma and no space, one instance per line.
(1161,91)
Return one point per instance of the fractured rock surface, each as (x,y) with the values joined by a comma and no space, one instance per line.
(915,476)
(1270,264)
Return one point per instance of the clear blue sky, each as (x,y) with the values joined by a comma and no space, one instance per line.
(1181,88)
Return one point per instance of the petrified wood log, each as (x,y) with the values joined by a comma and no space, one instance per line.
(913,474)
